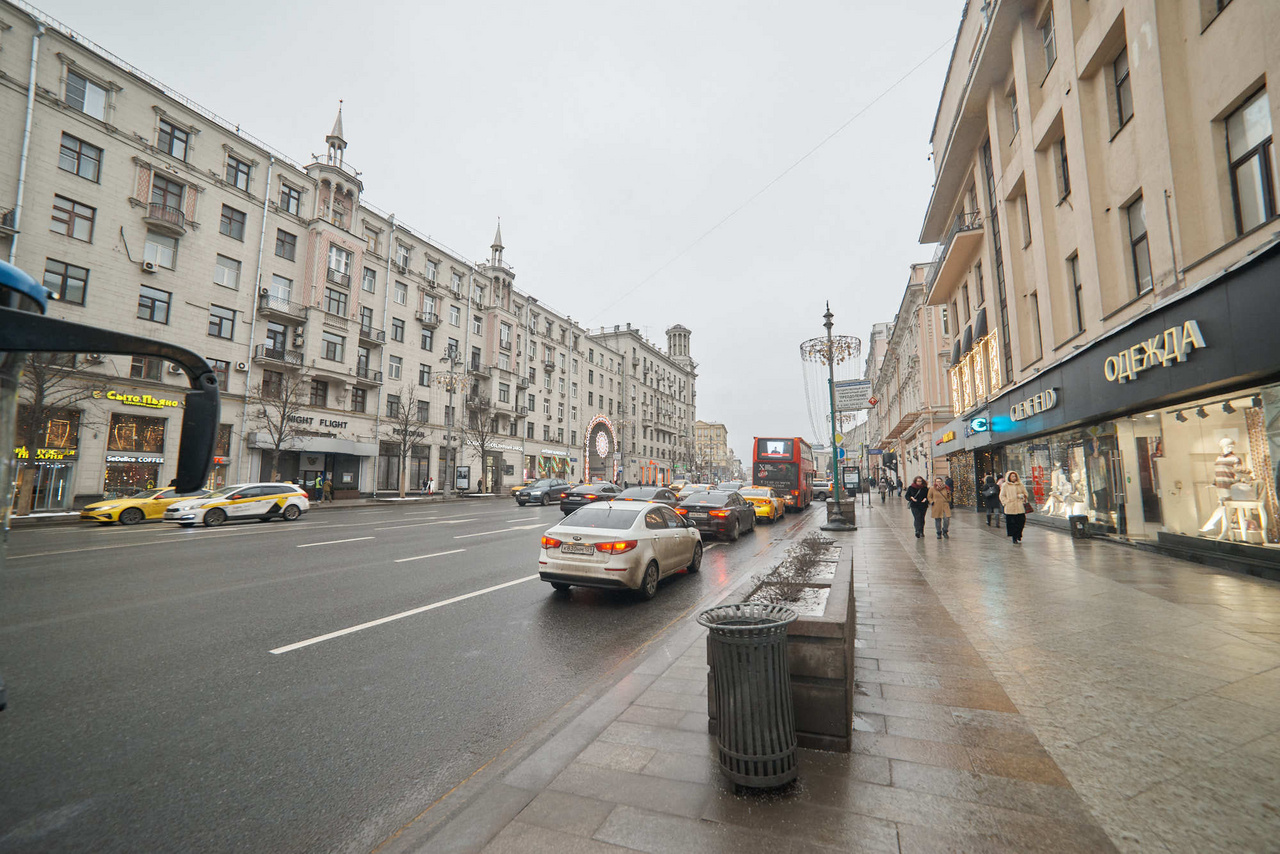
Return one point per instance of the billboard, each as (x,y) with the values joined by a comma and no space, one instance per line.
(853,395)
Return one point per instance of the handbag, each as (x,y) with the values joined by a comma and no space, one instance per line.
(1028,507)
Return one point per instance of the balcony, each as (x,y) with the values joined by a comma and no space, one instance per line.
(8,223)
(338,278)
(954,257)
(478,401)
(366,375)
(522,411)
(550,364)
(267,304)
(373,336)
(166,220)
(266,354)
(522,382)
(429,319)
(477,370)
(504,343)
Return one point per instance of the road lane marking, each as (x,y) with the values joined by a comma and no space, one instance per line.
(522,519)
(333,542)
(499,531)
(300,644)
(423,524)
(87,549)
(424,557)
(192,531)
(706,546)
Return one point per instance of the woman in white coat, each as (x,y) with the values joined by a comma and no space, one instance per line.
(1013,498)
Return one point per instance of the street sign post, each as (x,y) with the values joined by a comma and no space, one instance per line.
(853,395)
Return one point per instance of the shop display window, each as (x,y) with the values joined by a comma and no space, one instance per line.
(135,433)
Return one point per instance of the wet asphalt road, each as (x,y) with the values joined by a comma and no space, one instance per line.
(147,711)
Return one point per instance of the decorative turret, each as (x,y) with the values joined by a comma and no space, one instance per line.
(678,342)
(496,257)
(337,145)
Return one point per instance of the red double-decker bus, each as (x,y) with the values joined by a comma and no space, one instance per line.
(787,466)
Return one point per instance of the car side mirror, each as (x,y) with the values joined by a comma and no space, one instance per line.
(234,497)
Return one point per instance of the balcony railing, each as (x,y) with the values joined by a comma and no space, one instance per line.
(522,382)
(522,411)
(8,222)
(368,333)
(428,319)
(964,221)
(267,353)
(338,278)
(365,373)
(550,363)
(478,401)
(279,305)
(167,219)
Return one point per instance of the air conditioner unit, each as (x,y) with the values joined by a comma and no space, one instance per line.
(264,291)
(242,366)
(298,340)
(175,369)
(148,267)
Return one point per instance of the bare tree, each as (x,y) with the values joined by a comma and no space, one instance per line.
(52,385)
(404,428)
(479,428)
(276,406)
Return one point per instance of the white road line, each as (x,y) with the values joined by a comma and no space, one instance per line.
(422,524)
(300,644)
(499,531)
(706,546)
(333,542)
(522,519)
(78,551)
(424,557)
(191,532)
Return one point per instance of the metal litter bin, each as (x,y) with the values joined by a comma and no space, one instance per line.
(755,718)
(1079,527)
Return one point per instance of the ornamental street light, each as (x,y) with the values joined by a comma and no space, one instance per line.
(832,352)
(451,381)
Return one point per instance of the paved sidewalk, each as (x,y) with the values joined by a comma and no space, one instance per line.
(1054,696)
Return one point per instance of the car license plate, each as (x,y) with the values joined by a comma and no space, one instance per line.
(578,548)
(693,515)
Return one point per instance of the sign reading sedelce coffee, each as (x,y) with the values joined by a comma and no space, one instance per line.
(1034,405)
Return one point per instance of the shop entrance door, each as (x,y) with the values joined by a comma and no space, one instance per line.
(307,477)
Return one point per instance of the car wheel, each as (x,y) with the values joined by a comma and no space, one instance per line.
(543,502)
(735,533)
(521,503)
(696,563)
(291,512)
(649,584)
(131,516)
(560,587)
(213,518)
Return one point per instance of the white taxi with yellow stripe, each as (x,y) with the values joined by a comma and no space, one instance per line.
(264,501)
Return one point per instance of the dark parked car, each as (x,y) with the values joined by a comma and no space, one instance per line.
(725,514)
(588,493)
(656,494)
(542,491)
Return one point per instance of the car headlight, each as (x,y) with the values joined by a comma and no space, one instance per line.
(104,508)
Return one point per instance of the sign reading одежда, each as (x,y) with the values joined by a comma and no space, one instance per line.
(1159,351)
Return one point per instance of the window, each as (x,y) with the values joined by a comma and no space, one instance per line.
(591,398)
(546,406)
(272,383)
(455,316)
(402,255)
(546,432)
(977,283)
(359,399)
(73,219)
(319,393)
(476,322)
(1013,111)
(428,339)
(504,393)
(424,410)
(1034,299)
(286,244)
(366,319)
(232,222)
(339,259)
(395,364)
(333,346)
(335,301)
(533,403)
(80,158)
(66,281)
(475,358)
(401,293)
(573,390)
(397,329)
(222,322)
(560,384)
(1024,212)
(153,304)
(146,368)
(946,327)
(86,96)
(1249,149)
(1063,170)
(290,199)
(424,374)
(369,281)
(371,239)
(448,416)
(591,377)
(281,288)
(161,250)
(504,362)
(1138,247)
(1124,94)
(528,429)
(1046,38)
(226,272)
(431,271)
(277,334)
(237,172)
(452,350)
(1077,296)
(968,309)
(222,368)
(362,360)
(172,140)
(456,283)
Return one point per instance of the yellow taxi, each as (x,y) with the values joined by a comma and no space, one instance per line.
(769,504)
(690,488)
(518,487)
(676,485)
(148,504)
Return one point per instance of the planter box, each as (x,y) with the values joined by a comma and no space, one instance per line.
(820,658)
(848,509)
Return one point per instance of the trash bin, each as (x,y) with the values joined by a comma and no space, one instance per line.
(755,719)
(1079,527)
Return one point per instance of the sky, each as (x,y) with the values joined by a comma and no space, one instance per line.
(610,138)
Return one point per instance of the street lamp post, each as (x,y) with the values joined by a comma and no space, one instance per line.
(835,519)
(450,382)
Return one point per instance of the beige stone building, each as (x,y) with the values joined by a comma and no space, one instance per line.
(711,451)
(148,213)
(1105,198)
(877,415)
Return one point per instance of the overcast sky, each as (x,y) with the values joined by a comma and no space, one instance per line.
(608,137)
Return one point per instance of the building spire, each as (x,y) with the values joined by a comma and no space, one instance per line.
(497,237)
(337,145)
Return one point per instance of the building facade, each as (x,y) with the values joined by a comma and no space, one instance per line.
(877,415)
(402,360)
(1101,172)
(714,460)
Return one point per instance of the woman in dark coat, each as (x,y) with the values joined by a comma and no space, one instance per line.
(918,501)
(991,499)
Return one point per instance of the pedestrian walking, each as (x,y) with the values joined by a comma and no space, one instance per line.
(991,499)
(1013,497)
(884,489)
(431,486)
(951,488)
(918,501)
(940,507)
(328,490)
(900,486)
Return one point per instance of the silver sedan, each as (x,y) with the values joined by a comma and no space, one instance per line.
(623,545)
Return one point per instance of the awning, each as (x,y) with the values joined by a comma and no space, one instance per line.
(955,352)
(317,445)
(980,325)
(967,341)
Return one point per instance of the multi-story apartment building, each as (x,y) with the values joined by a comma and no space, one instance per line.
(148,213)
(877,348)
(713,459)
(654,430)
(910,386)
(1105,205)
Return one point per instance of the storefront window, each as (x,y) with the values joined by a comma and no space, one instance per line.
(135,452)
(135,433)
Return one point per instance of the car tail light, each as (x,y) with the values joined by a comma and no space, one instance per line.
(795,492)
(591,497)
(683,511)
(550,543)
(720,513)
(617,547)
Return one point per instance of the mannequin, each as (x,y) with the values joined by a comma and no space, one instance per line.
(1228,470)
(1062,489)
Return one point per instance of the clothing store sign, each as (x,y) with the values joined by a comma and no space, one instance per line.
(1034,405)
(1159,351)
